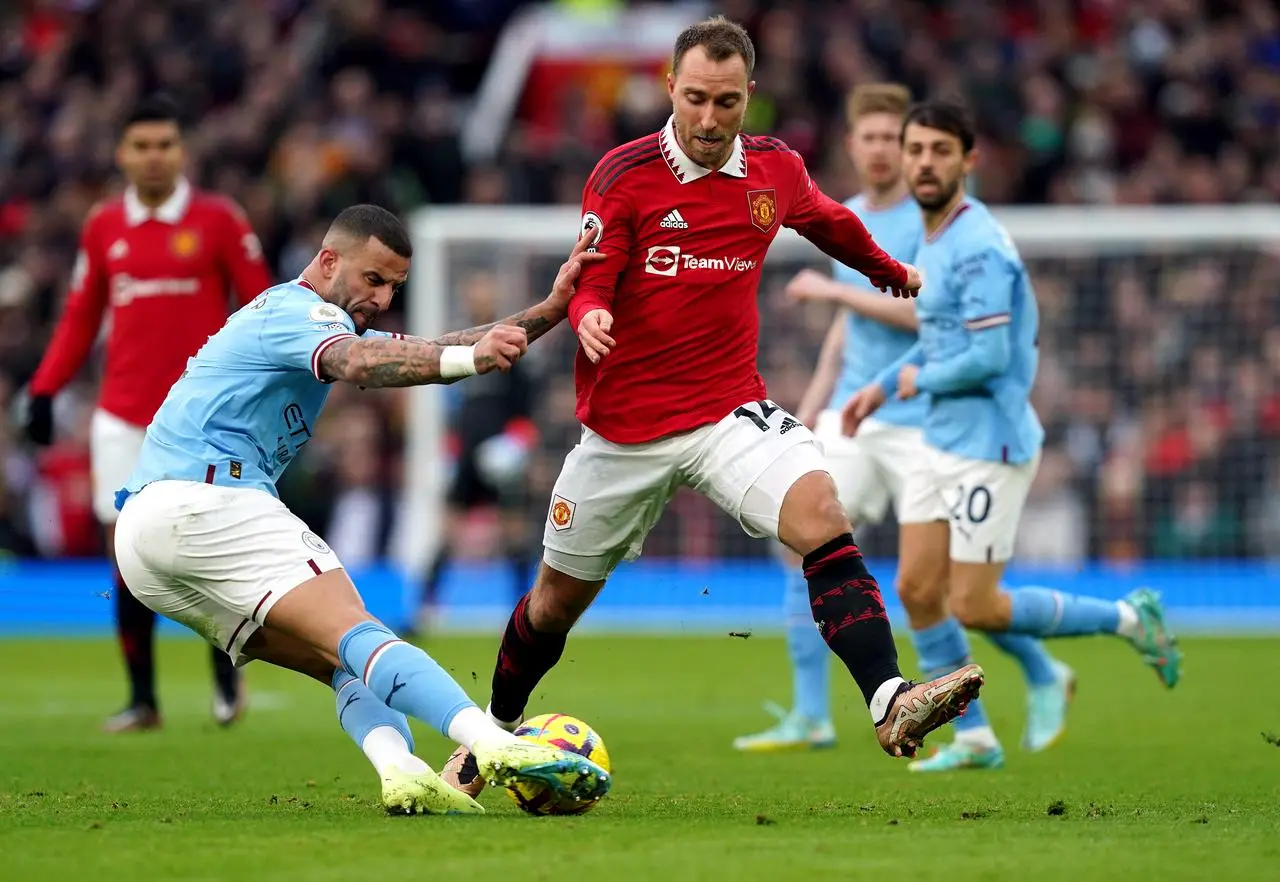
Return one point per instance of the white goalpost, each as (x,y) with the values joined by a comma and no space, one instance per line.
(1072,243)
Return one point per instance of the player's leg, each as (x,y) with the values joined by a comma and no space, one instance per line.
(1051,684)
(409,785)
(807,724)
(987,501)
(940,640)
(605,501)
(941,644)
(326,613)
(865,497)
(113,450)
(896,450)
(762,466)
(246,552)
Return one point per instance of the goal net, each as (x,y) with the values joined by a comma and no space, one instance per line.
(1159,388)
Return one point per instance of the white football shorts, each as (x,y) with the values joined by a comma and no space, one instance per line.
(609,496)
(981,499)
(870,469)
(114,445)
(215,559)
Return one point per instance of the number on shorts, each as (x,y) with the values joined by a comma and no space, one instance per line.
(976,502)
(760,419)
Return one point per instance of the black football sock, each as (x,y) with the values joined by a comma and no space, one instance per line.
(135,627)
(523,659)
(225,676)
(846,604)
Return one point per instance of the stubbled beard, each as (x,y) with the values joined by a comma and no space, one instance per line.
(942,198)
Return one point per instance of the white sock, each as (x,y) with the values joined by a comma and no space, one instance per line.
(471,724)
(879,706)
(387,750)
(503,724)
(1130,626)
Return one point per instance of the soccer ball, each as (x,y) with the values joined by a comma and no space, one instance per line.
(566,733)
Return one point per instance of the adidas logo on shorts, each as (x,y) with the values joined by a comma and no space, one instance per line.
(673,221)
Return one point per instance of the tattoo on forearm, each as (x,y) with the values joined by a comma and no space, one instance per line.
(380,362)
(536,321)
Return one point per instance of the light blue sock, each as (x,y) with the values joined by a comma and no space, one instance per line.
(1048,613)
(942,649)
(1029,652)
(402,676)
(810,657)
(360,711)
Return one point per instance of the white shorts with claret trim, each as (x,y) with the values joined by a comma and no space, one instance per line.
(215,559)
(114,445)
(981,499)
(609,496)
(871,468)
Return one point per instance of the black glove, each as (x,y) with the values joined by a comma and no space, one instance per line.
(40,419)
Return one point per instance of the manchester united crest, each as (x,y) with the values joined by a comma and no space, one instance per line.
(184,243)
(561,514)
(764,209)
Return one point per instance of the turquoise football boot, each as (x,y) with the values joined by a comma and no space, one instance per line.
(959,755)
(1154,641)
(1047,709)
(793,732)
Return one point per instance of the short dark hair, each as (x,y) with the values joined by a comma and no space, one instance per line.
(946,115)
(159,107)
(366,222)
(721,38)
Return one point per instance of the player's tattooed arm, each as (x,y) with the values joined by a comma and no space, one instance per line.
(376,362)
(537,320)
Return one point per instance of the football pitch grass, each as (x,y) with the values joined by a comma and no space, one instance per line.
(1146,783)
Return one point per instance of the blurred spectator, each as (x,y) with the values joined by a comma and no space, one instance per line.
(1160,380)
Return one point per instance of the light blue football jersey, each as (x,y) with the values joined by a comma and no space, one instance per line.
(869,346)
(249,399)
(978,347)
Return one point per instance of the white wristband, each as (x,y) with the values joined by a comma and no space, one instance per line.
(457,361)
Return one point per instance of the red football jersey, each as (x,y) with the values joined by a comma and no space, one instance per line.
(684,247)
(166,275)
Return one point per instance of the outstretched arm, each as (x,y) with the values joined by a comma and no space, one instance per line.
(537,320)
(376,362)
(839,233)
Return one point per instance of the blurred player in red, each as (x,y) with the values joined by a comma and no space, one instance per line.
(669,394)
(159,262)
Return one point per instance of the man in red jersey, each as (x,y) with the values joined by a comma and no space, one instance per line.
(163,257)
(669,394)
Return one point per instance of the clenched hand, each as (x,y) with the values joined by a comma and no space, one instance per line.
(500,348)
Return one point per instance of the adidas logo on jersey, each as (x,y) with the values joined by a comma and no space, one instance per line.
(673,221)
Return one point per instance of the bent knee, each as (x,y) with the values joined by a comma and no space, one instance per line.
(811,514)
(921,591)
(558,600)
(977,611)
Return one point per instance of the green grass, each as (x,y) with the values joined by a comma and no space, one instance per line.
(1174,786)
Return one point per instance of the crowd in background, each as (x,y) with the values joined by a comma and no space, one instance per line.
(1160,385)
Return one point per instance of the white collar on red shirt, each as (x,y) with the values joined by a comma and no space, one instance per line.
(171,211)
(685,169)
